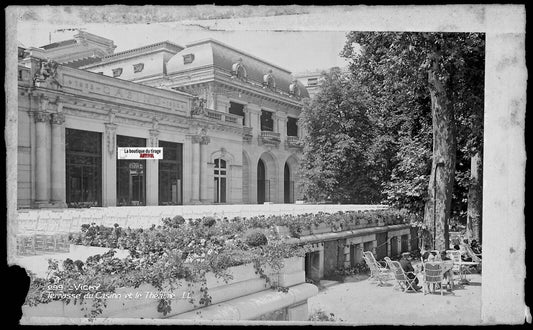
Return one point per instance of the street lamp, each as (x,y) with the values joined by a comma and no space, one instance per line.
(435,202)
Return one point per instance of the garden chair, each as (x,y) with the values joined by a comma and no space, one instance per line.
(404,282)
(391,268)
(460,267)
(377,271)
(433,274)
(476,258)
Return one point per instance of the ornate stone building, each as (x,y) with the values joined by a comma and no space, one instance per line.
(227,122)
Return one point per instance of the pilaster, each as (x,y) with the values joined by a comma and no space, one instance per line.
(187,170)
(254,119)
(282,126)
(152,171)
(204,174)
(195,177)
(109,164)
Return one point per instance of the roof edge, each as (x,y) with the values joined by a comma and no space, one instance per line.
(211,40)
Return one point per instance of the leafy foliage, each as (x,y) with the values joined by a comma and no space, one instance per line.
(391,70)
(335,164)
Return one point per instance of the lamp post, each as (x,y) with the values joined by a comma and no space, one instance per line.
(435,202)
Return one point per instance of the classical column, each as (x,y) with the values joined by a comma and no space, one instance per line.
(58,180)
(109,158)
(195,180)
(42,157)
(204,174)
(152,172)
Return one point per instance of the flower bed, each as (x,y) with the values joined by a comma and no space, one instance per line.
(196,254)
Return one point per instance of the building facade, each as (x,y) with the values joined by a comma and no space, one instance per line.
(227,122)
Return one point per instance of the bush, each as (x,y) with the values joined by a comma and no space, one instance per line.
(208,221)
(255,238)
(175,222)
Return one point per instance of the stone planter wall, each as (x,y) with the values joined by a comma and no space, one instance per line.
(244,290)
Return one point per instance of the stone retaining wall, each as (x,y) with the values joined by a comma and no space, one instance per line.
(244,297)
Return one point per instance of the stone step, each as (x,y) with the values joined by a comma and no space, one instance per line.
(328,283)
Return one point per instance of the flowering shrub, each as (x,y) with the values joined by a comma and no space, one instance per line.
(357,269)
(180,249)
(163,256)
(175,222)
(255,238)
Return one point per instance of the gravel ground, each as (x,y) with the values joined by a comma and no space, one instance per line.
(362,302)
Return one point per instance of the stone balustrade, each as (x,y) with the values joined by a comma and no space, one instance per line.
(223,116)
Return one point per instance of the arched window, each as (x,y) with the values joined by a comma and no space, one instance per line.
(220,176)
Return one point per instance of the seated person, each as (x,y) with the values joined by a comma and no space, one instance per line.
(432,256)
(426,256)
(464,252)
(407,267)
(425,253)
(475,247)
(448,276)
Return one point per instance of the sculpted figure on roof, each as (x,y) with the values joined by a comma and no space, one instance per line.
(238,70)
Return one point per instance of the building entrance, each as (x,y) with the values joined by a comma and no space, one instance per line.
(131,180)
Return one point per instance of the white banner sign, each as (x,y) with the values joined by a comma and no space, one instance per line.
(140,153)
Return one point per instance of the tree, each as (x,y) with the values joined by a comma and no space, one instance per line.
(404,71)
(335,163)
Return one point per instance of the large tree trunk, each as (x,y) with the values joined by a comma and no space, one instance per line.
(475,198)
(438,206)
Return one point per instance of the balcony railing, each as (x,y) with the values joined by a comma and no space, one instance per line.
(222,116)
(268,137)
(293,142)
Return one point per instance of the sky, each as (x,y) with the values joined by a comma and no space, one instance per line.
(296,51)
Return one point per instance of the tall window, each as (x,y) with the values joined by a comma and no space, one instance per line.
(292,126)
(267,123)
(131,182)
(83,153)
(237,109)
(170,174)
(220,181)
